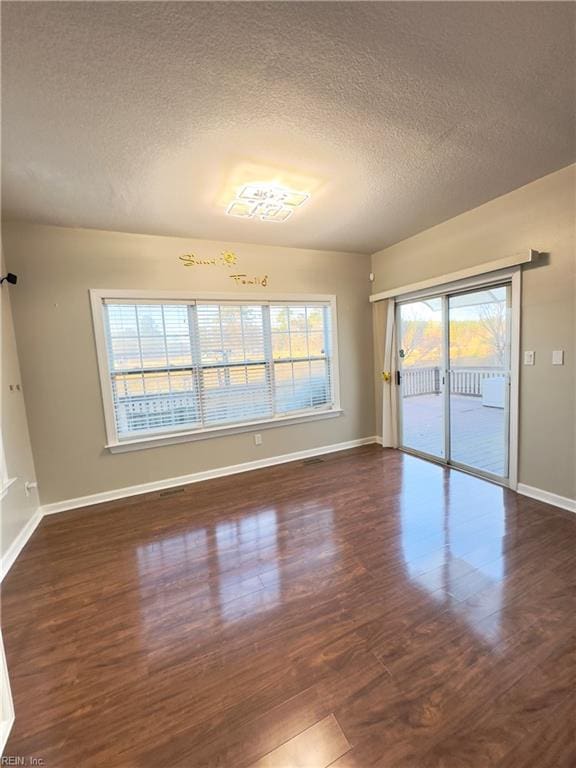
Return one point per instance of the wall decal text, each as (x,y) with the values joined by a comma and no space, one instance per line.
(225,259)
(245,280)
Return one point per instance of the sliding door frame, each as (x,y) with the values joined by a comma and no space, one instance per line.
(513,277)
(443,364)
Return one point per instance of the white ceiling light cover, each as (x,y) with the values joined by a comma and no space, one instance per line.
(268,202)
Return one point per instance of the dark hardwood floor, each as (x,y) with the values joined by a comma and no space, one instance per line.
(369,609)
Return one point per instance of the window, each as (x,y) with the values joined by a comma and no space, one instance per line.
(188,368)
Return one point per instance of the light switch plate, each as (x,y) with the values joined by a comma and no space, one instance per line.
(529,357)
(558,357)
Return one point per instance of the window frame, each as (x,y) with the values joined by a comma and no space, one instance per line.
(115,444)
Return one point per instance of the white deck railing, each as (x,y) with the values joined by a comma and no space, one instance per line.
(426,380)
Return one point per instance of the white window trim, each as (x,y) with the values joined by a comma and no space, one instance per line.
(116,445)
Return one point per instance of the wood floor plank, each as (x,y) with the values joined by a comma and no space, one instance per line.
(371,610)
(501,726)
(318,746)
(243,740)
(552,743)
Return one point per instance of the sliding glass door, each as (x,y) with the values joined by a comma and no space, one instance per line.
(454,353)
(421,352)
(479,371)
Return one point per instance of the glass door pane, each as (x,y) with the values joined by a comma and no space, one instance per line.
(420,339)
(479,375)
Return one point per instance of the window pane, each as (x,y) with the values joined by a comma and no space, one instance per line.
(150,320)
(297,319)
(153,402)
(125,354)
(176,320)
(281,345)
(300,335)
(301,385)
(320,385)
(316,344)
(279,318)
(179,350)
(153,352)
(235,384)
(122,320)
(298,344)
(315,318)
(148,339)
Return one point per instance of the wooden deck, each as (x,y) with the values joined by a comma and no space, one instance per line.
(370,610)
(478,432)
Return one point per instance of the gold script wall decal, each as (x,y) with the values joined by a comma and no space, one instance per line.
(245,280)
(225,259)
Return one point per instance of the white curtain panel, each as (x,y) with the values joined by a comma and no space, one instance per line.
(389,386)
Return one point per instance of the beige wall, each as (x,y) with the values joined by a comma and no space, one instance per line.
(17,506)
(57,267)
(540,215)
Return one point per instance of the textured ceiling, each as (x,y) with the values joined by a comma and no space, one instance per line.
(131,116)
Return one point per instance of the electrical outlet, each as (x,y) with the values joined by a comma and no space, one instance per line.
(258,439)
(529,357)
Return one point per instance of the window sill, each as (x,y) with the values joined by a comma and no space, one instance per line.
(141,443)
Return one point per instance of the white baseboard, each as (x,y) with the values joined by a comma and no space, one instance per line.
(19,543)
(547,497)
(196,477)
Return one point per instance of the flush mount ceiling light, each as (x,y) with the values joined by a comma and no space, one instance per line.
(253,190)
(268,202)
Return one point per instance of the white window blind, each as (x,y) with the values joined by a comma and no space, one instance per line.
(196,365)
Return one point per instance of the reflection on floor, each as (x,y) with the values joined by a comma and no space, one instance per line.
(372,609)
(478,433)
